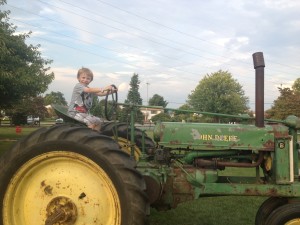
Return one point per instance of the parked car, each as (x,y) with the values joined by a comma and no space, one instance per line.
(33,120)
(59,121)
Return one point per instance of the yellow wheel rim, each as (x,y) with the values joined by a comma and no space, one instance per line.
(61,188)
(126,147)
(293,222)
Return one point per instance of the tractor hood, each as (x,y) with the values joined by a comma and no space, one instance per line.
(206,136)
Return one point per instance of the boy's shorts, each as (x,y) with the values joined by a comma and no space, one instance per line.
(88,119)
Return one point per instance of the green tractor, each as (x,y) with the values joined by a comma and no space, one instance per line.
(68,174)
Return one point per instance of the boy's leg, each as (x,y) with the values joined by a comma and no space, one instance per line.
(97,127)
(97,122)
(93,122)
(92,126)
(81,117)
(87,119)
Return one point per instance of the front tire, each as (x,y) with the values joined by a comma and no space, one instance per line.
(121,133)
(70,175)
(288,214)
(267,207)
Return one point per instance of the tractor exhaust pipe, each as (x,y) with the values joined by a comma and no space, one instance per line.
(259,65)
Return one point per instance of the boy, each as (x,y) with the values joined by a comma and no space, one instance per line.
(82,99)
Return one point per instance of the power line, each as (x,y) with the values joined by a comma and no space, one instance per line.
(100,55)
(150,70)
(171,28)
(144,31)
(101,36)
(189,72)
(184,44)
(113,28)
(147,39)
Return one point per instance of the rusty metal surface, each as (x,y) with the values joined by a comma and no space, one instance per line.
(221,164)
(61,210)
(154,188)
(259,64)
(250,189)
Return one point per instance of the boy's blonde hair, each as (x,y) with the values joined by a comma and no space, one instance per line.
(85,71)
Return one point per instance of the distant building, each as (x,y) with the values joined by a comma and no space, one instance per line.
(150,112)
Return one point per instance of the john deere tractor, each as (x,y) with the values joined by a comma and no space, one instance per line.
(68,174)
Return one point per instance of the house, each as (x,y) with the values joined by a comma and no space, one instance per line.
(150,112)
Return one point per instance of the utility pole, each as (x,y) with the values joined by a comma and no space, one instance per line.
(147,93)
(146,116)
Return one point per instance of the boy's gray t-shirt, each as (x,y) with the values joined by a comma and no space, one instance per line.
(80,98)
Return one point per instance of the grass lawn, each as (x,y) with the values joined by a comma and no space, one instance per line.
(8,136)
(224,210)
(10,132)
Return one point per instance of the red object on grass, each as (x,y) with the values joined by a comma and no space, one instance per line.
(18,129)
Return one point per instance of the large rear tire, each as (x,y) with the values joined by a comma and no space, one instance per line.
(70,175)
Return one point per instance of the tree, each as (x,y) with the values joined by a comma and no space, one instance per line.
(296,85)
(184,108)
(288,103)
(97,107)
(23,72)
(33,106)
(55,98)
(133,98)
(133,95)
(161,117)
(158,100)
(183,114)
(219,93)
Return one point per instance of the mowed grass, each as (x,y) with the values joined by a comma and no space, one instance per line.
(9,136)
(10,132)
(223,210)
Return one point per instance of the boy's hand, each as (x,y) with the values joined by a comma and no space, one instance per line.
(113,88)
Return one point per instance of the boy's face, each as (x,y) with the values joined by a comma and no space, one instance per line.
(84,79)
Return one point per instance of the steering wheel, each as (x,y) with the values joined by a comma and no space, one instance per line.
(111,104)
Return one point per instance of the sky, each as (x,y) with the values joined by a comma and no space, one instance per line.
(170,44)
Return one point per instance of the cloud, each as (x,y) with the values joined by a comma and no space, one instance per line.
(281,4)
(123,87)
(47,11)
(63,74)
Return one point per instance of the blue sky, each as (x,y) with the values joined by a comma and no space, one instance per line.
(171,44)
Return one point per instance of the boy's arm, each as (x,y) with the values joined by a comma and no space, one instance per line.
(92,90)
(110,88)
(100,91)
